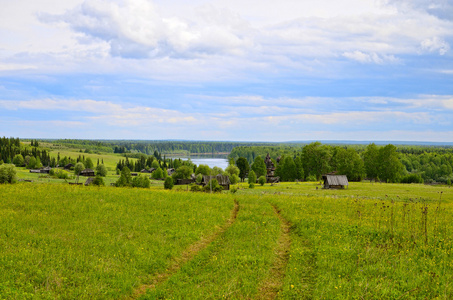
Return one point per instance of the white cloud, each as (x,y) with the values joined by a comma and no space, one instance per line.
(435,44)
(370,57)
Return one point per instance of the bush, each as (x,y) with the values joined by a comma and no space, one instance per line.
(79,167)
(233,190)
(125,178)
(234,179)
(213,185)
(101,170)
(262,180)
(168,184)
(18,160)
(199,178)
(61,174)
(252,177)
(412,178)
(98,180)
(7,173)
(251,185)
(141,182)
(195,188)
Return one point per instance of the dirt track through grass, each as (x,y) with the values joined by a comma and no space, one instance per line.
(186,256)
(270,287)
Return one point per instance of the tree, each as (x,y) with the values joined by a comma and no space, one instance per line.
(155,164)
(88,163)
(371,161)
(316,159)
(299,167)
(252,179)
(182,172)
(259,167)
(79,167)
(203,169)
(232,170)
(101,170)
(141,182)
(158,174)
(234,179)
(243,166)
(18,160)
(216,171)
(348,162)
(168,184)
(7,173)
(125,178)
(289,169)
(390,167)
(262,180)
(98,180)
(32,163)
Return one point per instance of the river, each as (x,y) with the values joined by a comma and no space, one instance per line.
(212,160)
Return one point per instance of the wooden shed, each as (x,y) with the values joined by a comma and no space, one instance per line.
(223,180)
(335,181)
(184,181)
(89,181)
(87,172)
(46,170)
(68,166)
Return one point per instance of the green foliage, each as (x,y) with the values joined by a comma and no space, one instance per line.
(7,173)
(216,171)
(18,160)
(89,163)
(58,173)
(125,178)
(243,166)
(232,170)
(182,172)
(252,177)
(141,182)
(79,167)
(262,180)
(98,180)
(259,167)
(158,174)
(101,170)
(199,178)
(233,190)
(234,179)
(195,188)
(390,167)
(213,185)
(412,178)
(168,184)
(155,164)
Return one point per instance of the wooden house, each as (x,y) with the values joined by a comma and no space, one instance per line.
(184,181)
(223,180)
(335,181)
(89,181)
(68,166)
(87,172)
(46,170)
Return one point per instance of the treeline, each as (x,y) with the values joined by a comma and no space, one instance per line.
(13,151)
(381,163)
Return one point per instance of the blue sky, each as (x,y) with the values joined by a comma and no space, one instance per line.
(252,70)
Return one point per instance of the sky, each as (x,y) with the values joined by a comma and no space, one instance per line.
(287,70)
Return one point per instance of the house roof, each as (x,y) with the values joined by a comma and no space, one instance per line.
(336,179)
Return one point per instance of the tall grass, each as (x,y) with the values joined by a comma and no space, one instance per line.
(85,243)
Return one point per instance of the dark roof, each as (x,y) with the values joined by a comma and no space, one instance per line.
(88,172)
(336,179)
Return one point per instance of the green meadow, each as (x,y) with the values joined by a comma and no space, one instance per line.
(284,241)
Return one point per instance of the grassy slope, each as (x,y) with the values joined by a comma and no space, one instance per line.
(367,241)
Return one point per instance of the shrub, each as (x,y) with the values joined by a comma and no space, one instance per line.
(101,170)
(61,174)
(98,180)
(412,178)
(141,181)
(233,190)
(234,179)
(213,185)
(262,180)
(125,178)
(252,177)
(168,184)
(199,178)
(195,188)
(18,160)
(251,185)
(79,167)
(7,173)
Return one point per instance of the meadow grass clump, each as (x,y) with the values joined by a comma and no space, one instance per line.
(96,243)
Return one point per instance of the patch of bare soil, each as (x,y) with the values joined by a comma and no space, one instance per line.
(273,283)
(186,256)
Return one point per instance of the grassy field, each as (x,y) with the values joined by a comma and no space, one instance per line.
(287,241)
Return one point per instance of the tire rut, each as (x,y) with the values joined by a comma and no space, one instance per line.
(273,283)
(186,256)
